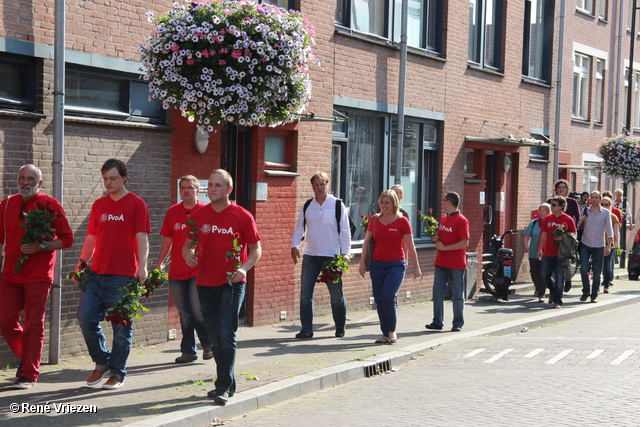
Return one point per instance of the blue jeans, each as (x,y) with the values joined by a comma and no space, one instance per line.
(591,259)
(220,308)
(185,296)
(311,266)
(386,278)
(556,287)
(608,269)
(103,292)
(456,278)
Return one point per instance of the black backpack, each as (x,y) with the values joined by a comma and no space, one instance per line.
(352,227)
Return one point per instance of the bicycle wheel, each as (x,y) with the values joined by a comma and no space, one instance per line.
(487,280)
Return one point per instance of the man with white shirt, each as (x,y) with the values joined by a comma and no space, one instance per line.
(324,237)
(596,226)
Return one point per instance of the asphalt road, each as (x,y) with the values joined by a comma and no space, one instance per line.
(581,372)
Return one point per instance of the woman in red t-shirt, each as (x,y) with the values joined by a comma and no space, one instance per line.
(389,229)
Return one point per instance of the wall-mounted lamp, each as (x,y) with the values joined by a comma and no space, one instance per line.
(506,164)
(201,140)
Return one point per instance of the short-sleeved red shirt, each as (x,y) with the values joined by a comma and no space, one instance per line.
(115,224)
(388,239)
(175,226)
(215,239)
(452,229)
(551,223)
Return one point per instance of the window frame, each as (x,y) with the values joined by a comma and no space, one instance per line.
(27,66)
(580,102)
(585,6)
(543,46)
(288,150)
(477,52)
(127,99)
(599,76)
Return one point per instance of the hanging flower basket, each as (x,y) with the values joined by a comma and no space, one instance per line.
(621,158)
(238,61)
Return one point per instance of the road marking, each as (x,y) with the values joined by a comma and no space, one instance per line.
(595,354)
(535,352)
(622,357)
(499,355)
(558,357)
(475,352)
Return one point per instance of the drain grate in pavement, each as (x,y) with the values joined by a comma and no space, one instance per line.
(377,368)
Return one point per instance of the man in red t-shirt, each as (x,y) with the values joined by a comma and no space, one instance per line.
(182,278)
(118,244)
(548,253)
(451,263)
(27,288)
(225,231)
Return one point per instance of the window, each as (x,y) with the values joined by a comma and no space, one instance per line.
(585,5)
(590,178)
(581,65)
(538,35)
(625,96)
(285,4)
(598,107)
(602,9)
(278,150)
(539,152)
(636,102)
(18,83)
(485,33)
(360,174)
(109,95)
(383,18)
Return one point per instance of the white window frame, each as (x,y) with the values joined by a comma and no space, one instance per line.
(602,9)
(599,90)
(581,79)
(585,5)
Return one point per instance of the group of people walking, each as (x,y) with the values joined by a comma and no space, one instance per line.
(565,227)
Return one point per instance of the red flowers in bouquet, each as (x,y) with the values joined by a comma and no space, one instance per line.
(81,275)
(37,223)
(128,307)
(334,269)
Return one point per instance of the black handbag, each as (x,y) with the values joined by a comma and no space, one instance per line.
(367,256)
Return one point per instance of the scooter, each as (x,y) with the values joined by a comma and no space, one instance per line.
(496,276)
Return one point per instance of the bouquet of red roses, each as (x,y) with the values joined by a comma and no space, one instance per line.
(334,269)
(128,307)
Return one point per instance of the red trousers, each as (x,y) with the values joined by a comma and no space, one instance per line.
(26,340)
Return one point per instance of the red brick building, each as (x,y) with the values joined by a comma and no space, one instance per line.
(480,110)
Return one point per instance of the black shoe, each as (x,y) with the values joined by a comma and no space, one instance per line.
(433,326)
(221,397)
(302,335)
(19,369)
(606,290)
(339,332)
(567,286)
(456,329)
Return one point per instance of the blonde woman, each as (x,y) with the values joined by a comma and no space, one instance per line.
(607,203)
(389,230)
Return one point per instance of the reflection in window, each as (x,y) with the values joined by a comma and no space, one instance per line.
(17,85)
(410,147)
(485,33)
(538,33)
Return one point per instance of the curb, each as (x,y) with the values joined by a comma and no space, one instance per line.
(280,391)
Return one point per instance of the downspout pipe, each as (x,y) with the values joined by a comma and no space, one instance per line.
(401,92)
(58,171)
(558,121)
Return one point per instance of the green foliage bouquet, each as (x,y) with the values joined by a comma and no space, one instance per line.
(238,61)
(333,270)
(621,158)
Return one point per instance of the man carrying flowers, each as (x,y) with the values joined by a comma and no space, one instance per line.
(224,233)
(325,237)
(27,288)
(118,244)
(182,278)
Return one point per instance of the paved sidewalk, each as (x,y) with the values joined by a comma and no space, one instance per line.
(272,365)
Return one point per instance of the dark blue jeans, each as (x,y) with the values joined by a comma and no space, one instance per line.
(549,266)
(185,296)
(386,278)
(311,266)
(608,269)
(591,259)
(220,308)
(102,292)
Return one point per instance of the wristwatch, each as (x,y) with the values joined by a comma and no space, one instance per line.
(44,245)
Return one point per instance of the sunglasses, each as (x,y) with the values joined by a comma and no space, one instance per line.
(605,204)
(555,205)
(22,215)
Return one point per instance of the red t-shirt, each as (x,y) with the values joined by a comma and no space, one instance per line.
(388,239)
(39,266)
(551,223)
(617,213)
(175,226)
(115,224)
(215,239)
(451,229)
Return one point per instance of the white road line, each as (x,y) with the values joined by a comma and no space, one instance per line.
(558,357)
(535,352)
(595,354)
(499,355)
(475,352)
(622,357)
